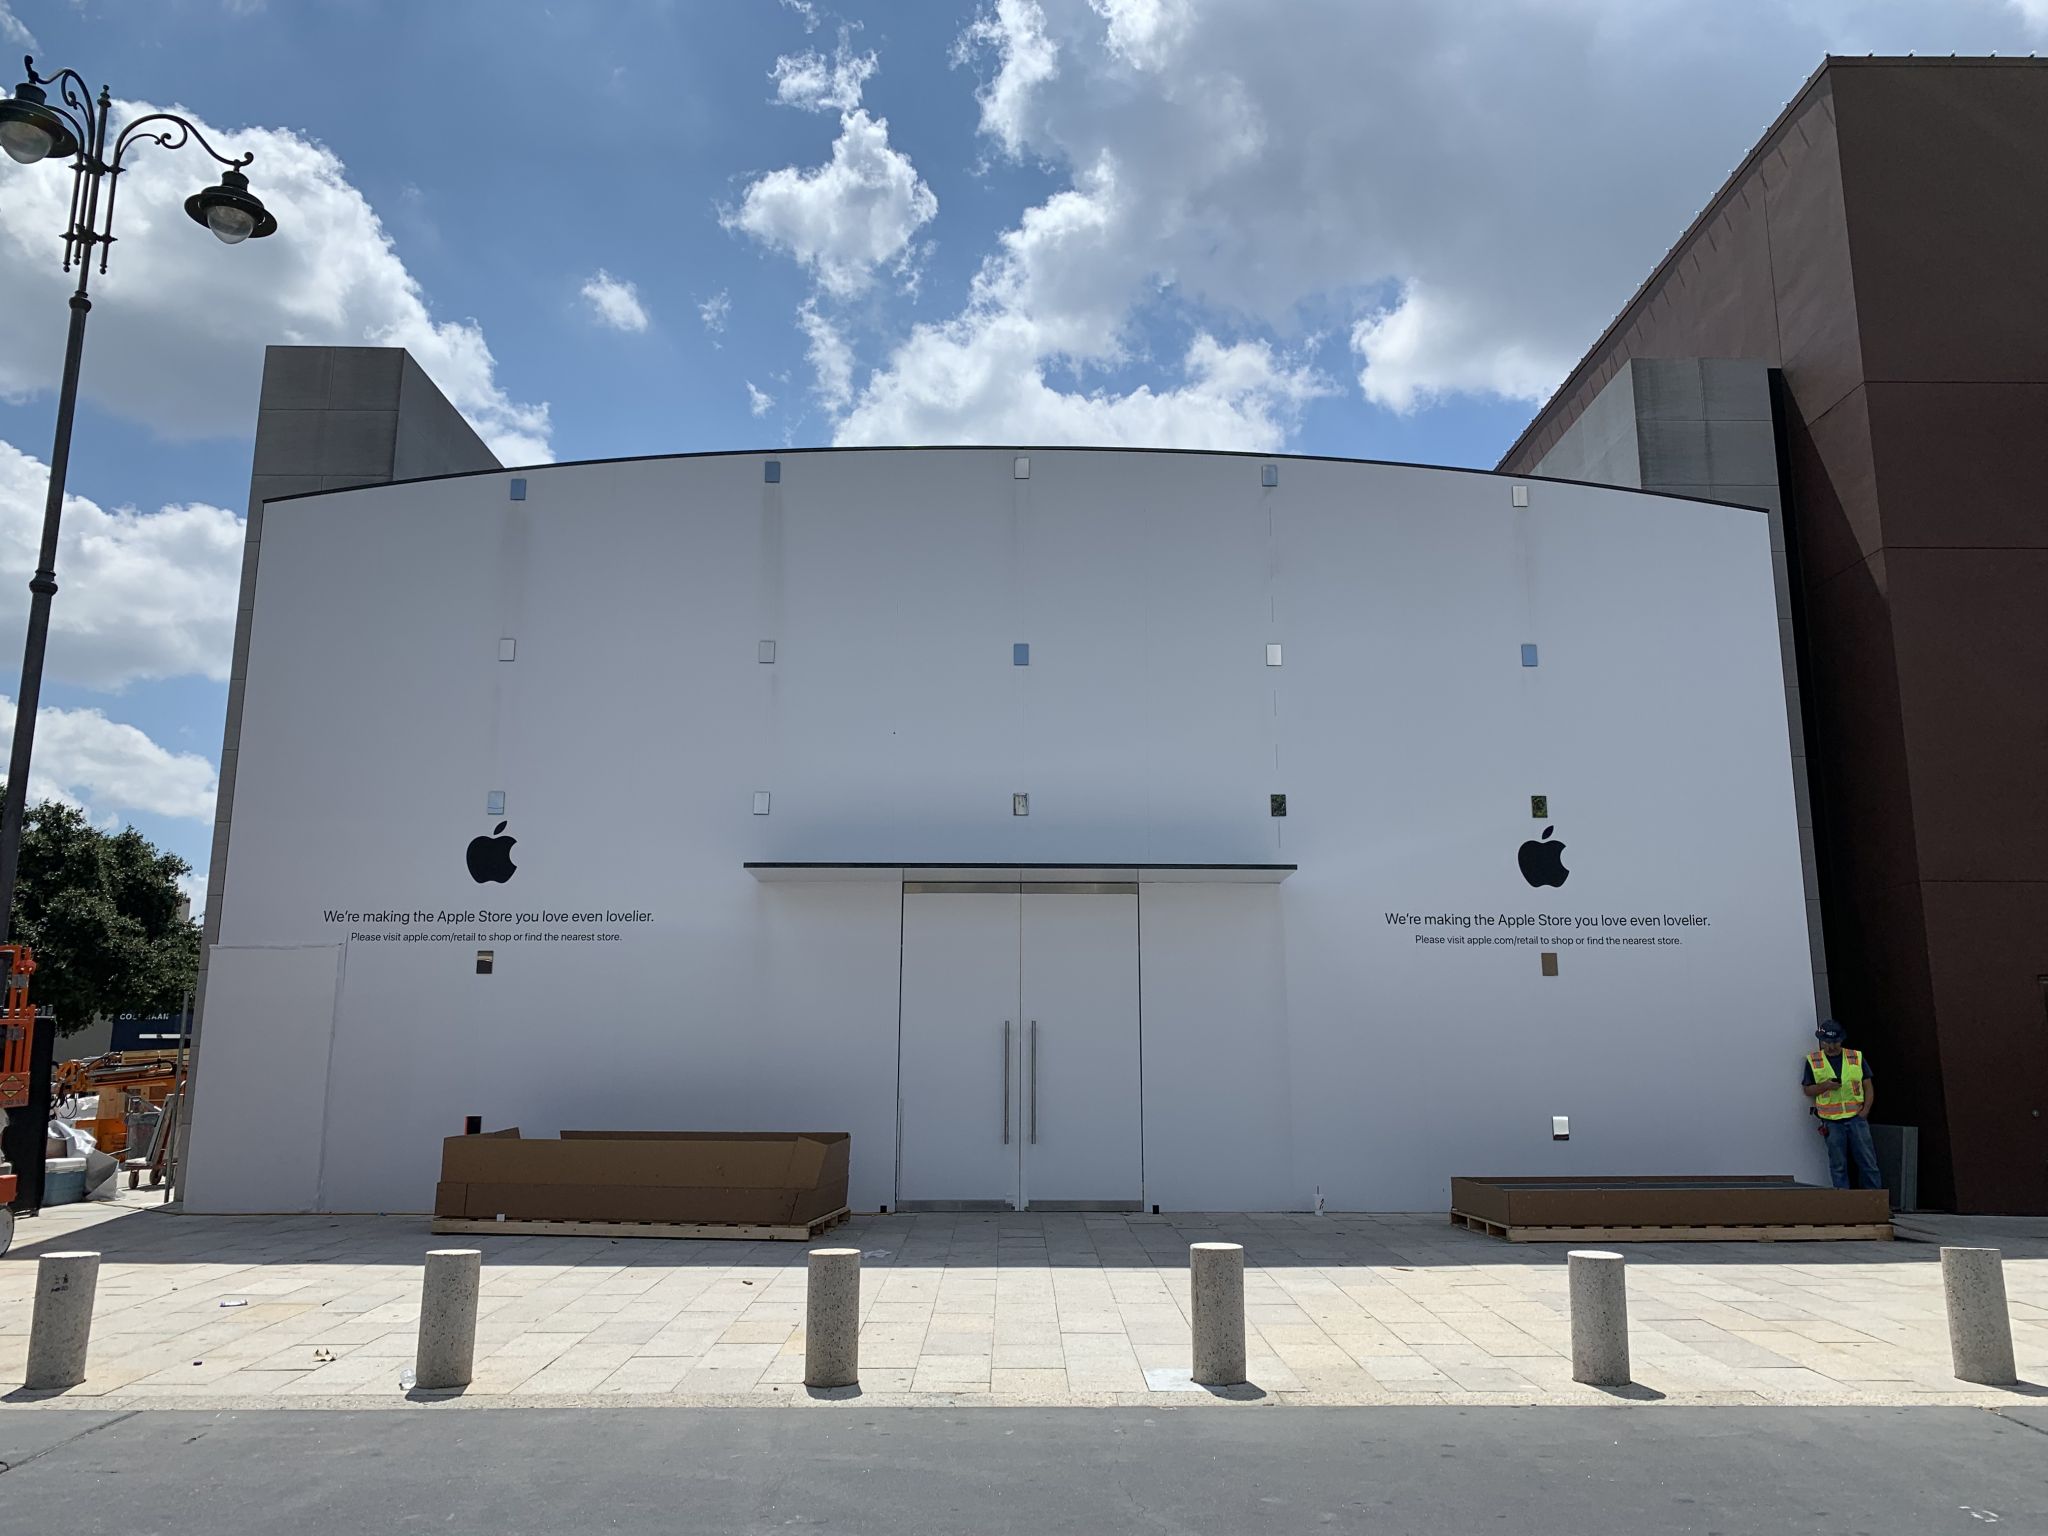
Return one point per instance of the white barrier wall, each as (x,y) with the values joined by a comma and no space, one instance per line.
(1321,1033)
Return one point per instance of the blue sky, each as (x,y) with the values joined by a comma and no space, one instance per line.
(1324,226)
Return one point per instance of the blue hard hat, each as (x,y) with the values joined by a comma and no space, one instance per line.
(1829,1032)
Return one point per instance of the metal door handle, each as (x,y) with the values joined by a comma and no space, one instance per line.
(1034,1082)
(1006,1082)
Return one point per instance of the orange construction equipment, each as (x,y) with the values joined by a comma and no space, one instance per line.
(17,1040)
(17,1025)
(115,1077)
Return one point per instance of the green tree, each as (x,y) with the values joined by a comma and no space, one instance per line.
(101,911)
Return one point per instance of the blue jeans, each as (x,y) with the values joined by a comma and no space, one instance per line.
(1847,1139)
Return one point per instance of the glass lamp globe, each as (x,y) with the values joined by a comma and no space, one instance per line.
(231,210)
(230,225)
(25,142)
(29,129)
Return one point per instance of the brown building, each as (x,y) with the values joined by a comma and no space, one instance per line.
(1883,252)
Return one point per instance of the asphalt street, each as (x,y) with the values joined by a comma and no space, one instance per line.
(1583,1471)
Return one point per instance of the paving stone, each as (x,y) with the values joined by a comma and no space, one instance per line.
(1033,1307)
(752,1330)
(1105,1375)
(1037,1382)
(950,1370)
(1102,1320)
(1037,1356)
(646,1374)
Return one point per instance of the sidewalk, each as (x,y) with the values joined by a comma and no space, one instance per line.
(1021,1309)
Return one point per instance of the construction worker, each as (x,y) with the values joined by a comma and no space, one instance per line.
(1840,1085)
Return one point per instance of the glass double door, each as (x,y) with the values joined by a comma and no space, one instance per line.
(1019,1048)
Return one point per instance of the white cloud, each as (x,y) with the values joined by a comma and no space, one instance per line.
(713,311)
(141,595)
(106,768)
(830,357)
(13,30)
(1144,33)
(981,379)
(810,81)
(179,322)
(1422,349)
(2033,12)
(845,218)
(1508,172)
(1060,290)
(806,12)
(759,402)
(615,302)
(1026,58)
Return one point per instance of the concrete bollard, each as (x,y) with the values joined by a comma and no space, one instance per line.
(448,1293)
(832,1319)
(1979,1323)
(1599,1294)
(61,1326)
(1216,1293)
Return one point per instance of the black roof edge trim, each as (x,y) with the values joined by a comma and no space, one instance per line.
(1019,448)
(992,864)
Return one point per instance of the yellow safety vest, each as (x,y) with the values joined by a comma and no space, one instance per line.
(1839,1100)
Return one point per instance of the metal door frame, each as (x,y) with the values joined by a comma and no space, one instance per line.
(1017,1098)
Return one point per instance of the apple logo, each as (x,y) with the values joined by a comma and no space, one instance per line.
(490,858)
(1542,863)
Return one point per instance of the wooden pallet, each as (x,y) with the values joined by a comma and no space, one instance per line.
(1865,1232)
(748,1231)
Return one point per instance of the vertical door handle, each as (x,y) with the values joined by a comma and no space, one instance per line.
(1034,1082)
(1006,1082)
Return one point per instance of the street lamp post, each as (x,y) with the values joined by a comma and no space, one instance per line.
(33,129)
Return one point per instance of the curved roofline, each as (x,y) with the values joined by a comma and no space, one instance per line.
(1016,448)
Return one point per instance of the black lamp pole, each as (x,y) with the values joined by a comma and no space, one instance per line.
(33,130)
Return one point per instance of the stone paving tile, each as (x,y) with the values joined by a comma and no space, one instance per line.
(1109,1373)
(1270,1372)
(963,1322)
(347,1375)
(721,1378)
(1053,1308)
(557,1378)
(686,1343)
(646,1374)
(1032,1382)
(897,1312)
(1156,1325)
(891,1383)
(1406,1374)
(499,1376)
(1034,1356)
(1101,1320)
(950,1373)
(1095,1346)
(752,1330)
(257,1384)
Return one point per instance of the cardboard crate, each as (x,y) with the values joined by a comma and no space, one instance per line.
(773,1178)
(1730,1208)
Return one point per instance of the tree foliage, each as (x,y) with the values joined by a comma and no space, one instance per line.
(101,910)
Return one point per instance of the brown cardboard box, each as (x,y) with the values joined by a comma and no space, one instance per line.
(1677,1201)
(766,1177)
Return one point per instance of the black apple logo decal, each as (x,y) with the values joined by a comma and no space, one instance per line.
(1542,863)
(490,858)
